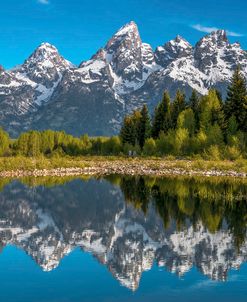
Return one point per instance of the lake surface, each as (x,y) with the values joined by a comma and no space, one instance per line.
(123,239)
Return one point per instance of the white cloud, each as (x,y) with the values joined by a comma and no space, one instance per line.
(44,2)
(206,29)
(233,34)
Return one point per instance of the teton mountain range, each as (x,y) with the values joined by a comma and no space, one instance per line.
(47,91)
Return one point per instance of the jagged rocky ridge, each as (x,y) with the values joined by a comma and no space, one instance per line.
(48,223)
(47,91)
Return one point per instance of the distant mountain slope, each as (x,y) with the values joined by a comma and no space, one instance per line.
(47,91)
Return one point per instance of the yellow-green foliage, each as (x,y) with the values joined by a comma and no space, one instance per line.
(149,147)
(210,201)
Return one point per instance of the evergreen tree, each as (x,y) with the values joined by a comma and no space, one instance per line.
(218,114)
(162,116)
(127,133)
(136,118)
(144,126)
(177,107)
(236,102)
(194,102)
(232,128)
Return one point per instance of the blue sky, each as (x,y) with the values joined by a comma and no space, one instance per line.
(79,27)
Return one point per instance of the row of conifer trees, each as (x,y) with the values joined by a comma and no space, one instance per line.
(202,125)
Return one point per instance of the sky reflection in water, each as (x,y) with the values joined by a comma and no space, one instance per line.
(123,239)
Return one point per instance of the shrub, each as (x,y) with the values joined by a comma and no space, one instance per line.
(111,146)
(199,142)
(165,143)
(129,148)
(232,153)
(214,135)
(149,147)
(4,142)
(186,120)
(181,141)
(213,153)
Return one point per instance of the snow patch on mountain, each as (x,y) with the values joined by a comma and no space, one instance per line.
(123,75)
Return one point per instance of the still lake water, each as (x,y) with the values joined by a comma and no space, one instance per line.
(123,239)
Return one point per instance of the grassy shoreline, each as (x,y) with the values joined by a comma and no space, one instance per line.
(95,165)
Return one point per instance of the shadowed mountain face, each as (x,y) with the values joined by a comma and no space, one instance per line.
(130,223)
(47,91)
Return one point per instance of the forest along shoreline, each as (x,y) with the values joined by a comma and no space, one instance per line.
(127,166)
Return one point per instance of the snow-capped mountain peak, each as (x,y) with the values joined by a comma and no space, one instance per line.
(127,61)
(173,50)
(180,42)
(43,51)
(217,58)
(212,42)
(217,37)
(38,77)
(130,29)
(124,52)
(45,66)
(124,73)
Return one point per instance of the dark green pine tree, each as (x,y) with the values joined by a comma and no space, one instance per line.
(218,114)
(177,107)
(194,104)
(162,116)
(236,102)
(128,131)
(144,128)
(194,101)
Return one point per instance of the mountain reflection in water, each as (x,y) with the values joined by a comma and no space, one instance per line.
(129,223)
